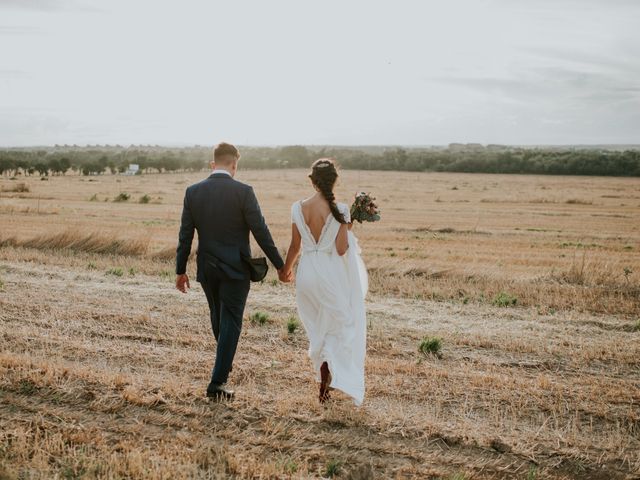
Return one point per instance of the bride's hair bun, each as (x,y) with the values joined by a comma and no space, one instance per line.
(322,163)
(324,175)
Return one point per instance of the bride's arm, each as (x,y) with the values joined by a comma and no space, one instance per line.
(342,239)
(294,249)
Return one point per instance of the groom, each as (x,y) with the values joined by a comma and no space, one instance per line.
(223,211)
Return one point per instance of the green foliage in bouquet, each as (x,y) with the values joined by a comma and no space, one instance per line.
(364,209)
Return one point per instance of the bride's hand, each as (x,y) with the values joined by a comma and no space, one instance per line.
(289,276)
(285,276)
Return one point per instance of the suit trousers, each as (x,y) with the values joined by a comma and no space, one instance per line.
(227,299)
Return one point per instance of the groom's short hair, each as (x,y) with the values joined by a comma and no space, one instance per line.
(223,150)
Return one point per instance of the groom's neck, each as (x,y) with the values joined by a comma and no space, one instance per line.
(222,169)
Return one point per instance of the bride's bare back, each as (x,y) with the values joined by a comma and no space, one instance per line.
(316,212)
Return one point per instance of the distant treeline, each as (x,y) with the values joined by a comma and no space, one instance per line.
(474,158)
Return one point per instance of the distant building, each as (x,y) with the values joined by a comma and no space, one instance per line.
(133,169)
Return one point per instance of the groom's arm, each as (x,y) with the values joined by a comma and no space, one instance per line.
(257,225)
(185,237)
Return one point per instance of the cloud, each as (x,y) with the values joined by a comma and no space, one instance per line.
(9,73)
(554,84)
(545,104)
(48,5)
(586,59)
(571,3)
(26,124)
(18,30)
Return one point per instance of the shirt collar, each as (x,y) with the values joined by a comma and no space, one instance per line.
(221,170)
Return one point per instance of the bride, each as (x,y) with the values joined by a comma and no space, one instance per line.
(331,283)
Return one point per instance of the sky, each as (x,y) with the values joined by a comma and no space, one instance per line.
(339,72)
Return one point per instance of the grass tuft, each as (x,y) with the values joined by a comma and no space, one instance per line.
(503,299)
(122,197)
(430,346)
(118,272)
(18,188)
(27,387)
(144,199)
(332,469)
(458,476)
(168,253)
(8,242)
(292,324)
(289,467)
(259,318)
(77,241)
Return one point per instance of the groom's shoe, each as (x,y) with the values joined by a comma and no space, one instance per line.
(218,391)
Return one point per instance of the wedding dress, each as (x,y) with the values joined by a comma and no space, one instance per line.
(330,291)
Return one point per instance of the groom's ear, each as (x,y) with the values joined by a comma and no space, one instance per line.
(212,164)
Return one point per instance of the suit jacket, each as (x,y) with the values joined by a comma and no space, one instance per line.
(223,211)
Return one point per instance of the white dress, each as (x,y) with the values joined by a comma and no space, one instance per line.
(330,291)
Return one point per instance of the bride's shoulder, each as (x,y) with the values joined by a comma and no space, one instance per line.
(295,205)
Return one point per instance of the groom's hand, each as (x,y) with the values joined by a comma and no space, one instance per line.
(182,282)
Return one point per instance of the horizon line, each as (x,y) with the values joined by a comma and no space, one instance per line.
(339,145)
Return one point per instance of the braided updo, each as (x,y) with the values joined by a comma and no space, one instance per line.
(324,175)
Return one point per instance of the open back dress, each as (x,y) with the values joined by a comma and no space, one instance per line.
(330,291)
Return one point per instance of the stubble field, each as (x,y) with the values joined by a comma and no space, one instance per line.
(532,283)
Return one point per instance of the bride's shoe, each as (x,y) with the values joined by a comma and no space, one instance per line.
(325,381)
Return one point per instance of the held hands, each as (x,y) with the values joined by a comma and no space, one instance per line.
(182,282)
(285,276)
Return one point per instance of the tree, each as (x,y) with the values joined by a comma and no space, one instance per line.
(42,168)
(294,156)
(7,165)
(64,164)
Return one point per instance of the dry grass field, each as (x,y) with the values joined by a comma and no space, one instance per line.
(532,283)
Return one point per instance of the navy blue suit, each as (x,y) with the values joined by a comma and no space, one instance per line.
(223,211)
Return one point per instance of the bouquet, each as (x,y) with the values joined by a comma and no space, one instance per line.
(364,209)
